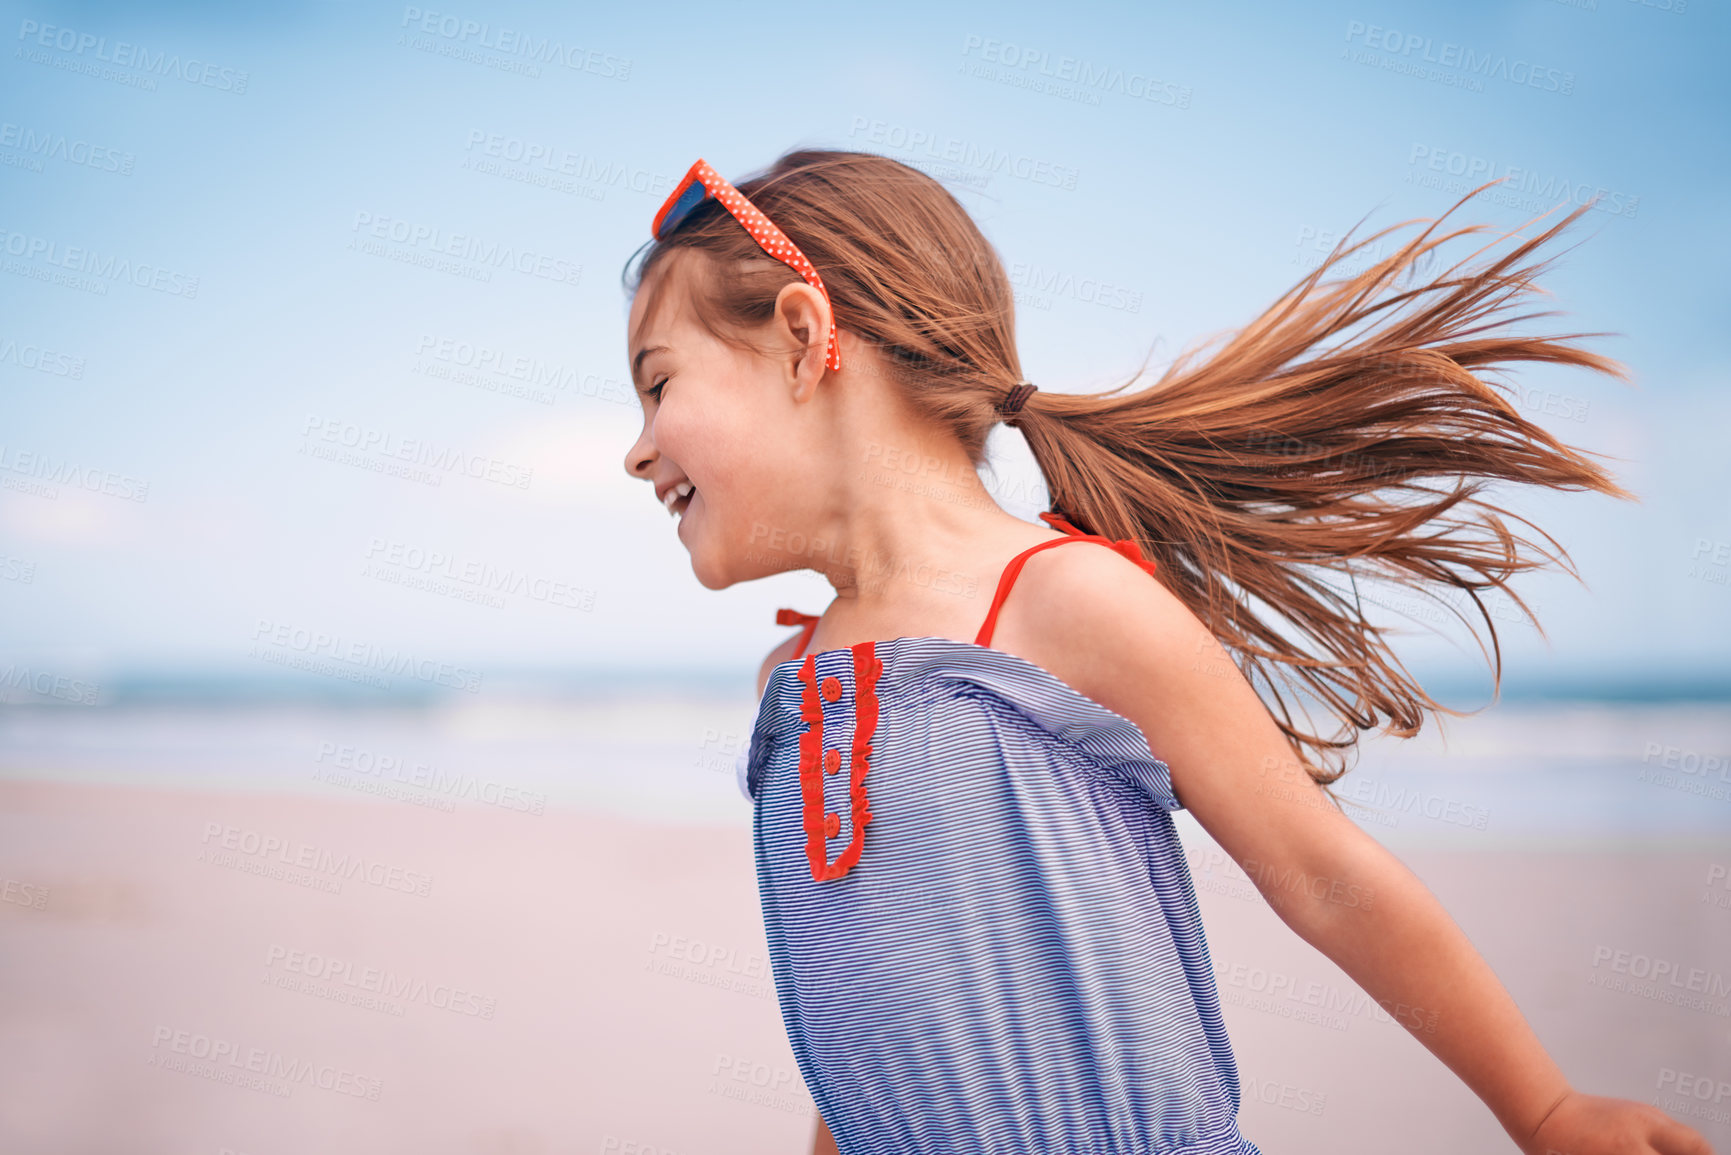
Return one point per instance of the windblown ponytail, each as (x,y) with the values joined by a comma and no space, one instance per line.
(1347,433)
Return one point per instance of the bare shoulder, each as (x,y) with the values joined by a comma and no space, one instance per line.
(1099,623)
(1086,608)
(782,653)
(1102,625)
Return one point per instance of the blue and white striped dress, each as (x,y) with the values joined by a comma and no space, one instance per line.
(1015,963)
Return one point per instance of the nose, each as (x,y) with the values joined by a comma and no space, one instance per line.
(640,458)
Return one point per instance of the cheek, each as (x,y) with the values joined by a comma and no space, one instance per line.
(711,444)
(678,434)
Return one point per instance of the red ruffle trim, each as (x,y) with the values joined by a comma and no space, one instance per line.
(820,826)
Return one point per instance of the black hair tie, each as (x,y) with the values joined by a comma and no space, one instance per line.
(1014,400)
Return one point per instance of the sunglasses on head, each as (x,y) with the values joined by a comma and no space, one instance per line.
(703,182)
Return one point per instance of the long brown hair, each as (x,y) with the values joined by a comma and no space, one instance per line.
(1347,433)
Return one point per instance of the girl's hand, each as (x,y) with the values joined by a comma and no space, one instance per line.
(1592,1125)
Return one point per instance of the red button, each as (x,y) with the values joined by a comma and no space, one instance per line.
(831,825)
(831,761)
(831,689)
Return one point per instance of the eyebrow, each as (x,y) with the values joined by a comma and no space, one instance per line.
(637,362)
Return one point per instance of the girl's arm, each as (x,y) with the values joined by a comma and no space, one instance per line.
(822,1142)
(780,654)
(1130,645)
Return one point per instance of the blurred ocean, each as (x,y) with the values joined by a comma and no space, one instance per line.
(1521,772)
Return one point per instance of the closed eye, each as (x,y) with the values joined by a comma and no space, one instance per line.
(654,391)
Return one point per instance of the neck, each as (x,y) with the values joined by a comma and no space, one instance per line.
(907,520)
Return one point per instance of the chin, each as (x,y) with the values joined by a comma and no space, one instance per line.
(708,576)
(707,568)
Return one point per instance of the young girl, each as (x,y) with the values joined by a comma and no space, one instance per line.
(980,920)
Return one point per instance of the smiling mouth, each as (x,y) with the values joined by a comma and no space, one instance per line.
(679,498)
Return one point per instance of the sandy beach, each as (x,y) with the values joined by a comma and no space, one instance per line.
(271,972)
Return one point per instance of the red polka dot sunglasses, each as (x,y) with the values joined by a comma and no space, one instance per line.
(703,182)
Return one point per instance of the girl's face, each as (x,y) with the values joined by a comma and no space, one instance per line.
(709,415)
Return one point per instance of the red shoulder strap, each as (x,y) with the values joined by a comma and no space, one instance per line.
(787,617)
(1126,547)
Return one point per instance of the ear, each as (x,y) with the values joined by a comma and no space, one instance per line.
(802,318)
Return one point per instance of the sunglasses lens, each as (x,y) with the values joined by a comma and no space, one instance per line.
(688,199)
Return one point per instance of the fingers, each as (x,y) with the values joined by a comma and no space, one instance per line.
(1670,1137)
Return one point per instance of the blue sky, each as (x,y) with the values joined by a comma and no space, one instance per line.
(234,241)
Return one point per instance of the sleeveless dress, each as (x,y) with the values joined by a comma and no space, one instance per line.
(980,921)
